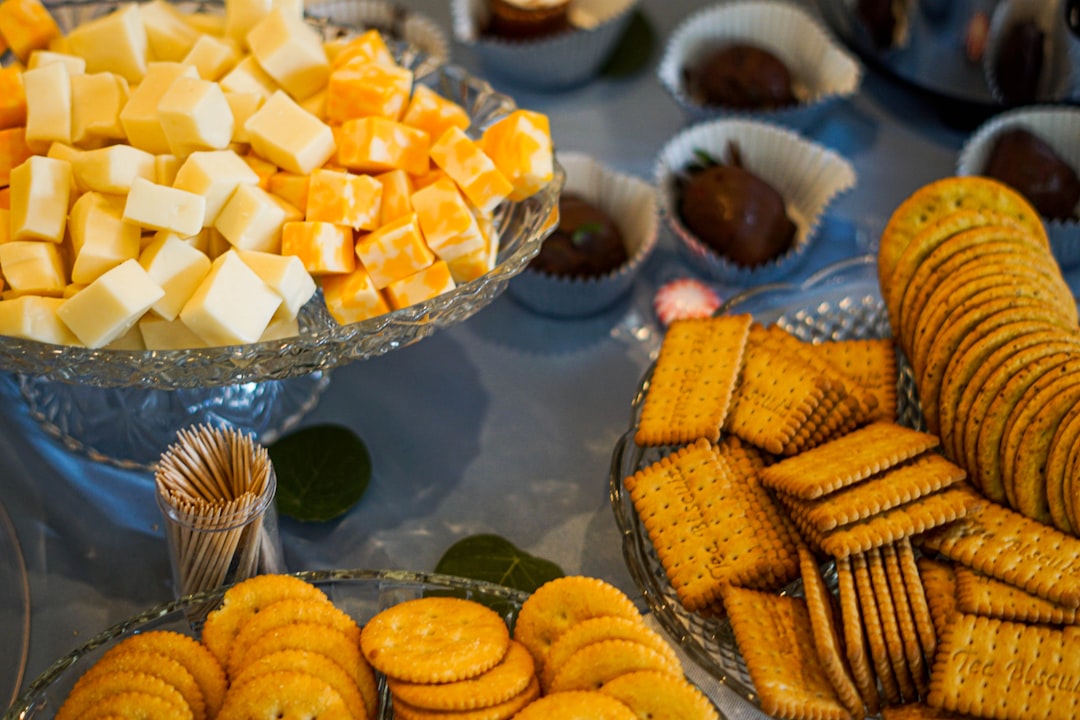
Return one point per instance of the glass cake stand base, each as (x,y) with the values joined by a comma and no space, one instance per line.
(129,428)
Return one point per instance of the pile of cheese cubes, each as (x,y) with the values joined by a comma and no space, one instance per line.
(176,180)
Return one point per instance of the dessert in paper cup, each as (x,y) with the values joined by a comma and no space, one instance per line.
(754,226)
(585,284)
(1036,150)
(1027,58)
(560,53)
(756,59)
(390,18)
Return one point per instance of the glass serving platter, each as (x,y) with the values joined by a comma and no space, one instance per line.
(14,609)
(360,593)
(840,302)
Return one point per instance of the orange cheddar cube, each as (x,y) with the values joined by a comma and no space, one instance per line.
(430,282)
(323,247)
(449,226)
(396,194)
(13,152)
(520,146)
(5,198)
(12,97)
(394,251)
(26,26)
(359,88)
(376,144)
(431,112)
(290,187)
(368,46)
(471,168)
(343,198)
(353,297)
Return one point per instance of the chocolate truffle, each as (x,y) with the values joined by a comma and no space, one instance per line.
(1019,63)
(740,76)
(1027,163)
(586,243)
(879,19)
(528,19)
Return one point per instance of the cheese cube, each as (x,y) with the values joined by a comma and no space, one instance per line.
(178,267)
(291,52)
(209,23)
(394,251)
(113,43)
(12,97)
(352,297)
(449,226)
(159,207)
(433,280)
(471,169)
(161,334)
(479,262)
(108,307)
(40,191)
(286,275)
(290,187)
(377,144)
(434,114)
(280,327)
(48,105)
(232,305)
(243,105)
(316,104)
(5,230)
(100,238)
(26,25)
(195,116)
(396,196)
(211,56)
(521,148)
(75,65)
(242,15)
(33,266)
(33,317)
(168,36)
(252,219)
(247,77)
(288,136)
(96,102)
(359,88)
(13,152)
(140,118)
(214,174)
(344,199)
(430,177)
(368,46)
(165,169)
(5,198)
(264,169)
(113,169)
(322,247)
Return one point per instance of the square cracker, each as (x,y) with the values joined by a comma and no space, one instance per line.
(905,617)
(978,594)
(855,643)
(870,363)
(890,625)
(875,632)
(939,581)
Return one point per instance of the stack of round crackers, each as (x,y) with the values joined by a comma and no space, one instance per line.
(979,307)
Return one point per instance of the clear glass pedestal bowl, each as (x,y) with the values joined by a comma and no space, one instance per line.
(124,407)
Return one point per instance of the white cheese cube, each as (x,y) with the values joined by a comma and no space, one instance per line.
(214,174)
(131,340)
(108,307)
(232,305)
(161,334)
(33,317)
(165,168)
(291,52)
(280,327)
(168,36)
(113,43)
(96,102)
(99,236)
(252,219)
(243,106)
(247,76)
(242,15)
(75,64)
(286,275)
(159,207)
(212,57)
(178,267)
(40,192)
(140,119)
(48,105)
(195,116)
(289,136)
(33,266)
(112,169)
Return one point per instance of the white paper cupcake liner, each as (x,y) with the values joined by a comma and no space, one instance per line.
(391,18)
(1056,79)
(549,63)
(807,175)
(822,71)
(1059,127)
(631,202)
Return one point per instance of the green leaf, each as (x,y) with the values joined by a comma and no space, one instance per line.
(322,471)
(494,559)
(584,230)
(634,49)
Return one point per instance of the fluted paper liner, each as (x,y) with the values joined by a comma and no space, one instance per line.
(1056,76)
(822,71)
(807,175)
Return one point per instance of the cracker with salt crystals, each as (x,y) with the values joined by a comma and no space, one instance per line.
(774,636)
(500,711)
(593,665)
(310,663)
(507,680)
(890,625)
(916,593)
(978,594)
(846,460)
(871,364)
(652,694)
(905,617)
(995,668)
(1004,544)
(85,695)
(939,582)
(690,391)
(152,663)
(875,631)
(856,649)
(284,694)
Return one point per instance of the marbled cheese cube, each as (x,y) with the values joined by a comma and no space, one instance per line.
(13,152)
(96,102)
(75,65)
(140,118)
(100,238)
(243,106)
(286,275)
(214,174)
(26,25)
(368,46)
(112,169)
(353,297)
(252,219)
(232,305)
(168,36)
(195,116)
(396,196)
(430,177)
(178,267)
(342,198)
(473,171)
(449,226)
(434,114)
(211,56)
(108,307)
(520,146)
(359,88)
(394,251)
(290,187)
(113,43)
(159,207)
(479,262)
(161,334)
(40,193)
(33,317)
(246,76)
(291,52)
(377,144)
(289,136)
(12,97)
(33,266)
(48,105)
(323,248)
(430,282)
